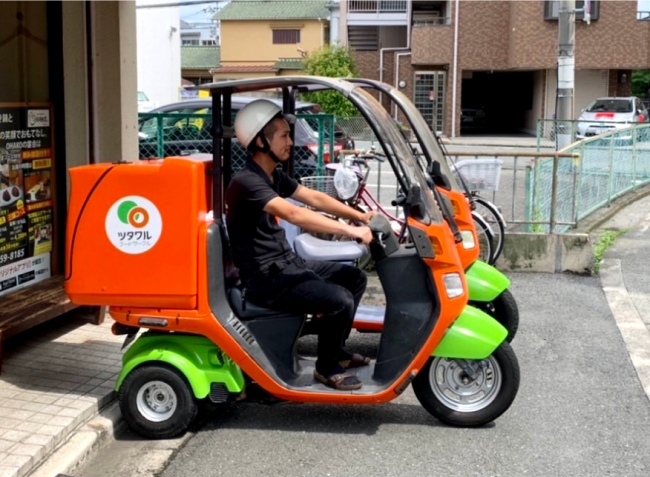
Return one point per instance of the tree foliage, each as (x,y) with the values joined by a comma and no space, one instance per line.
(334,62)
(641,83)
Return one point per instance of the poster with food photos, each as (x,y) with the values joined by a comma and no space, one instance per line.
(26,202)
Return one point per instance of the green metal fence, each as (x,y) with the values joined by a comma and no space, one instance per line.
(564,190)
(174,134)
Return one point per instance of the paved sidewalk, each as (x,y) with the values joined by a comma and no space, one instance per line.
(54,378)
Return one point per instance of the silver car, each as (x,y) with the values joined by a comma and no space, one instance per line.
(607,114)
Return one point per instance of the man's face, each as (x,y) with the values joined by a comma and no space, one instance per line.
(4,168)
(281,142)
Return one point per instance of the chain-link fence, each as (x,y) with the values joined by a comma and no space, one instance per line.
(174,134)
(357,128)
(565,190)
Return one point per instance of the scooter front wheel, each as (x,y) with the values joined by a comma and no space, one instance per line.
(469,393)
(157,402)
(504,309)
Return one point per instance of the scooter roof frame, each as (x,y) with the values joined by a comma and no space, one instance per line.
(289,86)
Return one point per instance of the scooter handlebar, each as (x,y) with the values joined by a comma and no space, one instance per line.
(384,240)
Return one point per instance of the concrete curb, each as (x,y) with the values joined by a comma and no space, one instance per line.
(633,330)
(87,440)
(592,223)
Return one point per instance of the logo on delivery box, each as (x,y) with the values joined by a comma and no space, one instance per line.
(133,224)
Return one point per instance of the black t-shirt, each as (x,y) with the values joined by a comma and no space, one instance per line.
(256,238)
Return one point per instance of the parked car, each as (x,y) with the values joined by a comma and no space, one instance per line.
(144,103)
(341,137)
(472,118)
(607,114)
(183,136)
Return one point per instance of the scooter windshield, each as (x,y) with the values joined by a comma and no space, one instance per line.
(397,150)
(427,139)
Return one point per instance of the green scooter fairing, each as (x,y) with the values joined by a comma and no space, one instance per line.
(484,282)
(200,360)
(474,335)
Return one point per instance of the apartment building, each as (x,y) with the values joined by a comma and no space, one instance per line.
(494,57)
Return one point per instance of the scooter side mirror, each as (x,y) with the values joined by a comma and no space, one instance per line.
(438,177)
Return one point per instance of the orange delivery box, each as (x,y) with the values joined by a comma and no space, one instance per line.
(132,232)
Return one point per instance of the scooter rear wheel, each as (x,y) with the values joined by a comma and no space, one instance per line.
(450,394)
(157,402)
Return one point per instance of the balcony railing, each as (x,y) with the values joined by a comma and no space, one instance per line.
(422,22)
(377,6)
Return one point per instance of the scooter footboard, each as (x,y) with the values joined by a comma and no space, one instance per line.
(474,335)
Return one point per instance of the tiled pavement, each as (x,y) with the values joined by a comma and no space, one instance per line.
(55,377)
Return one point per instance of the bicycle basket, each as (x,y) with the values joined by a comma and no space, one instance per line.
(479,174)
(320,183)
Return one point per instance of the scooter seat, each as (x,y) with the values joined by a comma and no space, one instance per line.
(246,310)
(309,247)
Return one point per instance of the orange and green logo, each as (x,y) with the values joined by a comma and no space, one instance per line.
(131,214)
(133,224)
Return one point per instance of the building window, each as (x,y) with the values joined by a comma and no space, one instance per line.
(552,9)
(209,42)
(286,37)
(186,42)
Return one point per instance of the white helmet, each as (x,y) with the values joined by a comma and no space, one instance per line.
(252,118)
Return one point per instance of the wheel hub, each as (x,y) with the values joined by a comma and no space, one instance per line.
(465,386)
(156,401)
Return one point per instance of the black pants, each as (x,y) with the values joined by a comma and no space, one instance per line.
(331,289)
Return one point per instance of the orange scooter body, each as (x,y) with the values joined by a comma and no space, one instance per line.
(137,239)
(465,222)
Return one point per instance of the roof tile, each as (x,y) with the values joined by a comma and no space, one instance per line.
(274,10)
(200,57)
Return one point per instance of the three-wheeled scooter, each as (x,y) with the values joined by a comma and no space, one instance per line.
(147,239)
(488,287)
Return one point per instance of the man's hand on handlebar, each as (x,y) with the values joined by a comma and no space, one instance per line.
(365,218)
(361,234)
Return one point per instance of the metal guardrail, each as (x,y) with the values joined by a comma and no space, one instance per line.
(441,21)
(525,211)
(643,15)
(609,166)
(377,6)
(549,131)
(545,191)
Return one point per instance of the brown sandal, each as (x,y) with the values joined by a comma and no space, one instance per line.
(355,362)
(342,381)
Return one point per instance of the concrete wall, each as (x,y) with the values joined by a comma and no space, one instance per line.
(114,54)
(159,54)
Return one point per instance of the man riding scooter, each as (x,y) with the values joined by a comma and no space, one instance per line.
(272,274)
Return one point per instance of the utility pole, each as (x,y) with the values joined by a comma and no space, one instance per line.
(565,72)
